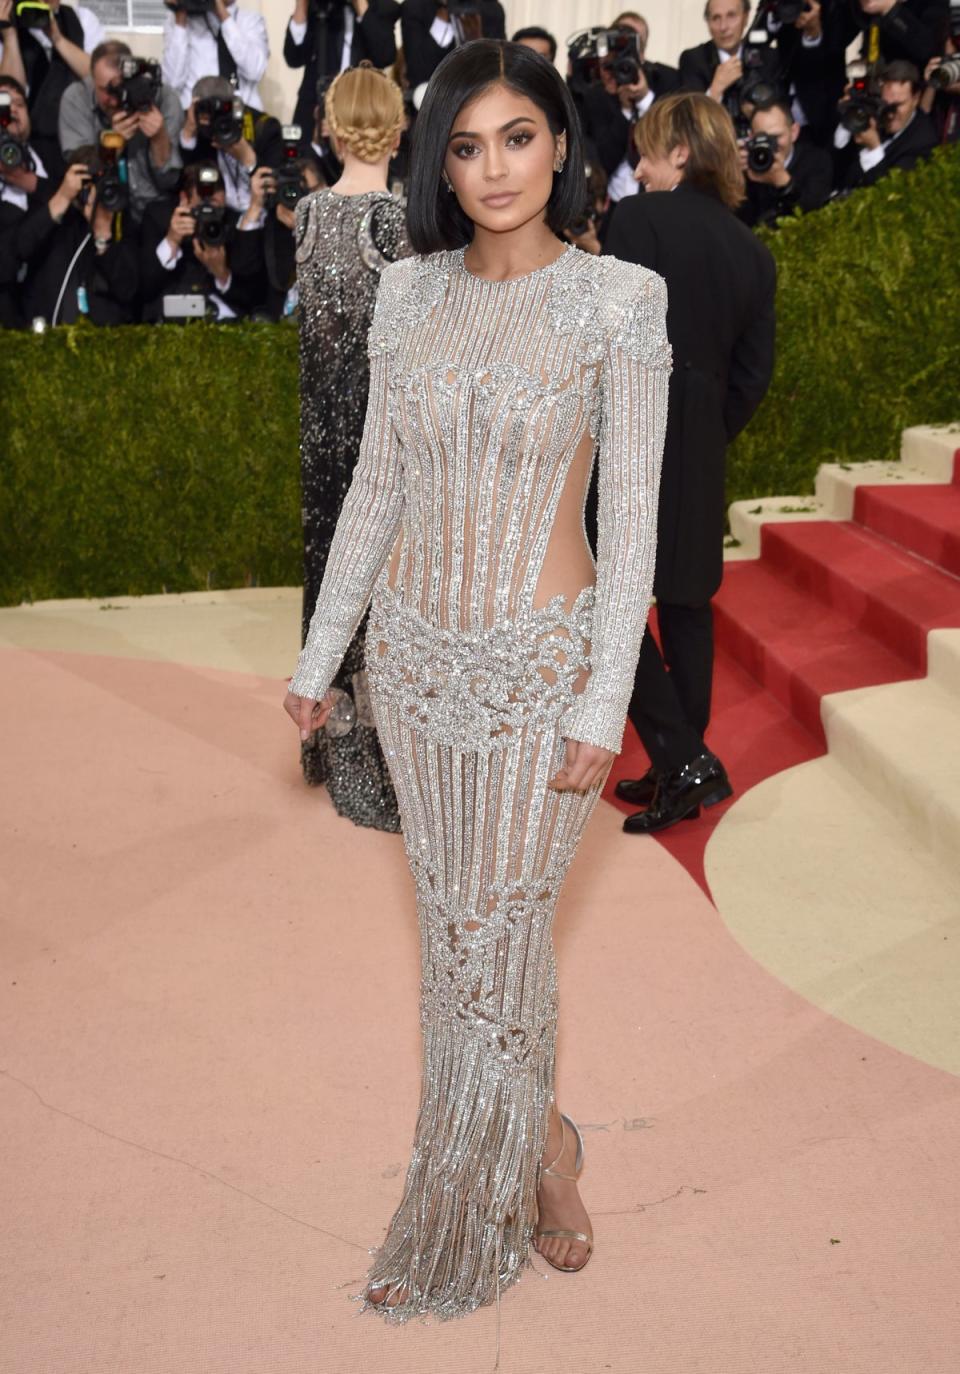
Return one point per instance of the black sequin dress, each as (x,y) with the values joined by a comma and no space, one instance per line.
(343,244)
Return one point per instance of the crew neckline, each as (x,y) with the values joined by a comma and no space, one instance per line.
(460,254)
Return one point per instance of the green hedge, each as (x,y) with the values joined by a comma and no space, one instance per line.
(147,459)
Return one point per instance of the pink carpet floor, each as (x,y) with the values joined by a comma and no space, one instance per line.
(209,1069)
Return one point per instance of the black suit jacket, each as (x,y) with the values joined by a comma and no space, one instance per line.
(267,141)
(265,258)
(603,120)
(721,285)
(24,238)
(111,279)
(697,66)
(189,275)
(373,41)
(818,73)
(422,54)
(904,150)
(811,182)
(913,30)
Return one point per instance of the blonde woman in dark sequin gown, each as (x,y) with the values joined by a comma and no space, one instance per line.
(500,657)
(346,235)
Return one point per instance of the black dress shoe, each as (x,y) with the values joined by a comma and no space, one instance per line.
(637,791)
(680,793)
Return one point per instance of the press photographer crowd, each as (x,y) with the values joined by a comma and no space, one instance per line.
(140,190)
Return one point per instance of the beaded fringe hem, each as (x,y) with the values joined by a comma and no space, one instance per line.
(462,1231)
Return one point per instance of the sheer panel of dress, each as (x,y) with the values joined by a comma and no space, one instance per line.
(483,658)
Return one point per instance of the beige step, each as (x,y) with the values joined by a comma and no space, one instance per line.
(932,449)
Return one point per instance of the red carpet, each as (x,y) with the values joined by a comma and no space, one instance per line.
(828,606)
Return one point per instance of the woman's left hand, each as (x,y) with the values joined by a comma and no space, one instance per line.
(585,765)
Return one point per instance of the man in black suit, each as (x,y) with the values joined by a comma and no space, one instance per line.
(175,260)
(264,249)
(800,176)
(324,38)
(726,66)
(613,105)
(812,55)
(25,220)
(721,283)
(898,30)
(901,136)
(430,30)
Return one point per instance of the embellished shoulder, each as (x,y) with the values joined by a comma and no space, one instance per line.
(410,289)
(634,307)
(609,302)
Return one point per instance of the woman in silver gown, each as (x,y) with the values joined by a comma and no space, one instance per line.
(345,235)
(500,658)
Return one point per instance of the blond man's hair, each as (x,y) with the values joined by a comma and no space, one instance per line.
(703,126)
(364,109)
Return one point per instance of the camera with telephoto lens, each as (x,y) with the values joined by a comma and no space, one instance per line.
(761,150)
(12,152)
(220,118)
(107,174)
(863,103)
(287,179)
(754,86)
(946,73)
(210,219)
(591,52)
(32,14)
(138,85)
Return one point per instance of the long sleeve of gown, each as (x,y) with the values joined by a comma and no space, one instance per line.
(635,374)
(367,527)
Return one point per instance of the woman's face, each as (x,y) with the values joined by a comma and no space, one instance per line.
(500,159)
(661,171)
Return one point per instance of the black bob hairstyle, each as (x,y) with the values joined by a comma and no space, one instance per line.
(434,217)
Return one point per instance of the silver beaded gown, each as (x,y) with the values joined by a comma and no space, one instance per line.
(482,395)
(343,244)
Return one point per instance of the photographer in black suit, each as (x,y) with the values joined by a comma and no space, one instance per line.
(728,64)
(811,48)
(628,85)
(325,36)
(265,244)
(898,30)
(430,30)
(794,175)
(721,283)
(898,134)
(247,140)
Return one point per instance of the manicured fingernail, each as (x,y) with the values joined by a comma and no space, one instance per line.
(304,734)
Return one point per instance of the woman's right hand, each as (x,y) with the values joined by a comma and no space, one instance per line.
(308,713)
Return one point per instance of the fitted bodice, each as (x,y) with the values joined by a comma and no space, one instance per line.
(482,393)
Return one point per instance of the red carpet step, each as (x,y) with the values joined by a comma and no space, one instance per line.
(829,606)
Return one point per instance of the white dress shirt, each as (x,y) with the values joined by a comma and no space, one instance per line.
(190,51)
(14,195)
(622,182)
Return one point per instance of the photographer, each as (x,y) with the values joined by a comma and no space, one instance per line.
(45,58)
(89,259)
(25,187)
(214,38)
(889,129)
(219,128)
(781,173)
(430,30)
(325,36)
(149,117)
(265,244)
(628,86)
(897,30)
(540,40)
(186,246)
(727,66)
(941,98)
(811,41)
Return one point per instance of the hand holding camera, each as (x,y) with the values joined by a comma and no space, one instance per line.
(727,75)
(870,136)
(75,178)
(182,223)
(214,258)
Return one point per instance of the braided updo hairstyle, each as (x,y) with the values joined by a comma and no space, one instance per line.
(364,109)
